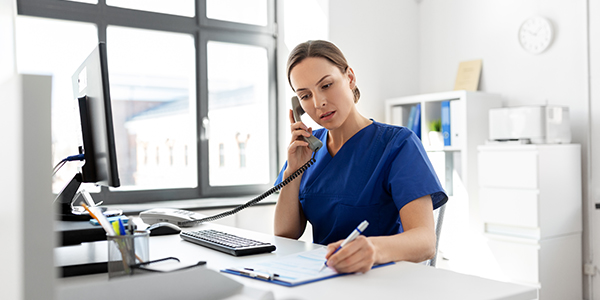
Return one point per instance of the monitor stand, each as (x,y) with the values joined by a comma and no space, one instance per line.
(67,211)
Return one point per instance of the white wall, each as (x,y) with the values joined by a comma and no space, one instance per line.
(459,30)
(8,64)
(380,41)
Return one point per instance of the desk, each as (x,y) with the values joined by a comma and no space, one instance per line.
(403,279)
(77,232)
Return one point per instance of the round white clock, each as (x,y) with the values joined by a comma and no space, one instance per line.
(535,34)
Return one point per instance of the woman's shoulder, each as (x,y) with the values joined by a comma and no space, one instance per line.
(392,132)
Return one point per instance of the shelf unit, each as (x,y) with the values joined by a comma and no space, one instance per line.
(472,126)
(531,202)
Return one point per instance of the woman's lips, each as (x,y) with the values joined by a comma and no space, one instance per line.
(327,115)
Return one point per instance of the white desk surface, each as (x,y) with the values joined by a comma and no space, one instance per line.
(402,280)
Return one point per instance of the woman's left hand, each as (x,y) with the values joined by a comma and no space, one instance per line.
(356,256)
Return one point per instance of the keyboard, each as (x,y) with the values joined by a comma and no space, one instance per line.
(225,242)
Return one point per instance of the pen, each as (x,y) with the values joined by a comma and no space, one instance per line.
(254,273)
(100,218)
(90,212)
(116,228)
(271,275)
(355,233)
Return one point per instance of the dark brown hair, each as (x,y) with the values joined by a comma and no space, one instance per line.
(323,49)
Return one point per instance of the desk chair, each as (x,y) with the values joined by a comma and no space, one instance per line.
(438,230)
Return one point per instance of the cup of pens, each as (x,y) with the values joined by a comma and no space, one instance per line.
(126,247)
(127,250)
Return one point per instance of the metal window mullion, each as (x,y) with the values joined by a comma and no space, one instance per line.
(202,109)
(112,15)
(273,109)
(71,11)
(102,13)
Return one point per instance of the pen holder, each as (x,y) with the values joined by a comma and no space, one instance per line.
(125,251)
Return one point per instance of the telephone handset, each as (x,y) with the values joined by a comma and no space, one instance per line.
(185,218)
(313,142)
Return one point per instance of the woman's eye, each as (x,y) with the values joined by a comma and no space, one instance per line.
(326,86)
(303,97)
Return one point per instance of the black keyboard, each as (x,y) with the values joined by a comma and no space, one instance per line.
(225,242)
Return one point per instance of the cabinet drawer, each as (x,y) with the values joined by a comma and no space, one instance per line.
(517,258)
(510,207)
(553,264)
(509,169)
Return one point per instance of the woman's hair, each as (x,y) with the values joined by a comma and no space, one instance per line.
(323,49)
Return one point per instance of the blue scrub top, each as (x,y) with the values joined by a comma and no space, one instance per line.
(375,173)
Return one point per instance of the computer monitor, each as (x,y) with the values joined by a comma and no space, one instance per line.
(91,88)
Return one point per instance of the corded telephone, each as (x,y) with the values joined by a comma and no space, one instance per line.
(186,218)
(170,215)
(313,142)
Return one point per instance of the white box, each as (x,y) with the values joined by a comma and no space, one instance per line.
(535,124)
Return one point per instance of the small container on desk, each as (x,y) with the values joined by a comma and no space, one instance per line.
(125,251)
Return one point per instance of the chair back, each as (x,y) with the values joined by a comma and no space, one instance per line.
(438,216)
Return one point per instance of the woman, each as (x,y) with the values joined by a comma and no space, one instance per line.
(365,171)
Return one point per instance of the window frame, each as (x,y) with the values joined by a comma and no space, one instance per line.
(203,30)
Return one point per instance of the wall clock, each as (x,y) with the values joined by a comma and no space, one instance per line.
(536,34)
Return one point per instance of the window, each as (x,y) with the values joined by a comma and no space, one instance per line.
(247,11)
(174,7)
(61,56)
(151,104)
(192,87)
(238,90)
(221,155)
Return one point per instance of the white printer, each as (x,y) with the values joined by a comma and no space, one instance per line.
(530,124)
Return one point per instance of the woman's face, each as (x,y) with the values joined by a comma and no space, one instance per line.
(325,92)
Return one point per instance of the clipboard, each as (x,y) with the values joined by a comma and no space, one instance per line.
(292,270)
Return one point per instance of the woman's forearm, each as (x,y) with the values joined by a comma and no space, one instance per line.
(289,219)
(417,242)
(414,245)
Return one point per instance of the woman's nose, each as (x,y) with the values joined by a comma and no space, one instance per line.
(320,100)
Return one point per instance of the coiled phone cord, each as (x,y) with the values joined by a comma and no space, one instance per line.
(255,200)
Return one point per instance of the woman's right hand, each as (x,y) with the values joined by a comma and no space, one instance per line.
(298,151)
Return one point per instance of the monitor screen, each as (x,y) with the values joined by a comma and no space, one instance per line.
(91,87)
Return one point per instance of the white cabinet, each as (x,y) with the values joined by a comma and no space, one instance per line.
(531,206)
(470,115)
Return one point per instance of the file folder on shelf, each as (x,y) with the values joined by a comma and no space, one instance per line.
(455,120)
(446,129)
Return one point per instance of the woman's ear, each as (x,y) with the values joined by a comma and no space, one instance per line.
(351,78)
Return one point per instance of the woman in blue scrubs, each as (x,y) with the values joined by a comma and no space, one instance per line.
(365,171)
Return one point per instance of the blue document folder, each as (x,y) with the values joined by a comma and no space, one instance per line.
(416,127)
(446,130)
(411,117)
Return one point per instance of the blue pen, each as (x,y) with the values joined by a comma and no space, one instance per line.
(121,227)
(355,233)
